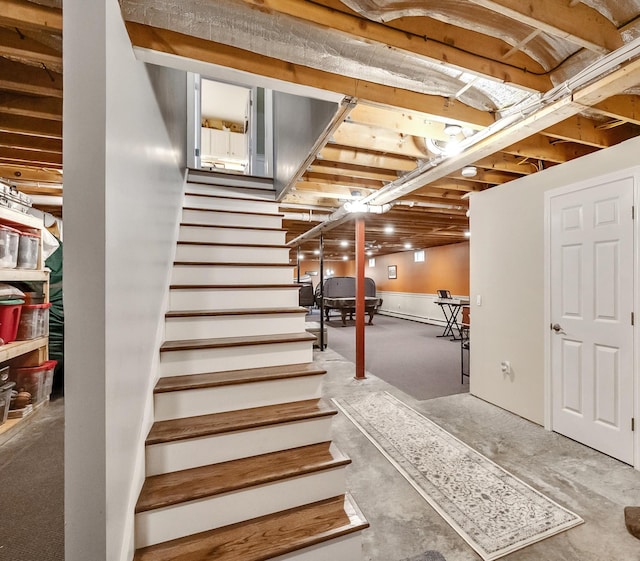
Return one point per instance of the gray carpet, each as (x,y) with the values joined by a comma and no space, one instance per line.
(32,497)
(407,354)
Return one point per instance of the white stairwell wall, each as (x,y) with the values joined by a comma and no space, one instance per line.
(199,322)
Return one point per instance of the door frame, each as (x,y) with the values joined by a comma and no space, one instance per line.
(634,174)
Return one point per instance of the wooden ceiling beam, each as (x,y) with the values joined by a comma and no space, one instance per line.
(371,31)
(23,78)
(171,42)
(29,15)
(29,142)
(337,168)
(508,163)
(27,173)
(450,184)
(625,107)
(399,121)
(490,177)
(31,106)
(579,24)
(539,147)
(29,125)
(16,45)
(365,158)
(353,182)
(330,189)
(581,130)
(380,140)
(35,158)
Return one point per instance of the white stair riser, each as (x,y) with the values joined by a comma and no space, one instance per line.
(194,452)
(199,361)
(212,234)
(180,329)
(193,200)
(232,299)
(204,401)
(231,254)
(230,219)
(235,188)
(344,548)
(197,516)
(202,274)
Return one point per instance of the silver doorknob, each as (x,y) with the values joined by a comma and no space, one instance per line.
(557,328)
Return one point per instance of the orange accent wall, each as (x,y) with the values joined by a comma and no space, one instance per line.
(445,267)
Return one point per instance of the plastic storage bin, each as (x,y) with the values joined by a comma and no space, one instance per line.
(49,367)
(10,311)
(30,379)
(34,321)
(9,241)
(5,400)
(28,250)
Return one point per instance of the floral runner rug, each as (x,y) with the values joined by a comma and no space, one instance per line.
(492,510)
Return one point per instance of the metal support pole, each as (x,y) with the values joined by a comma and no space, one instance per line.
(360,308)
(322,342)
(298,262)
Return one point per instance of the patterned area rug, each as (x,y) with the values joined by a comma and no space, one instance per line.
(493,511)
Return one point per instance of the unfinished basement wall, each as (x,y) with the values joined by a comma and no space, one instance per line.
(124,144)
(507,274)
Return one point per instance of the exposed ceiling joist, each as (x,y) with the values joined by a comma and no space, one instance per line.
(29,125)
(17,77)
(17,45)
(371,31)
(162,40)
(30,157)
(29,15)
(29,142)
(36,107)
(579,24)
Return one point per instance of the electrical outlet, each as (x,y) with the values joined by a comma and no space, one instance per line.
(505,367)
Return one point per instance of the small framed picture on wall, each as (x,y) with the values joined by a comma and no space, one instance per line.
(392,271)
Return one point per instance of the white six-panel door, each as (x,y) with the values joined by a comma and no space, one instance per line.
(592,283)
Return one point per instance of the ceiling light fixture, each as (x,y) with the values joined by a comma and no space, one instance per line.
(469,171)
(407,245)
(452,130)
(344,243)
(388,229)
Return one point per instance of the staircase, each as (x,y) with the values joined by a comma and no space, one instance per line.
(239,462)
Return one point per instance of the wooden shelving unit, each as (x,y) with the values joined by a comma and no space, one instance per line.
(33,351)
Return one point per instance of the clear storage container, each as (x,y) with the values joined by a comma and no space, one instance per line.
(49,366)
(34,321)
(28,250)
(5,400)
(9,241)
(30,379)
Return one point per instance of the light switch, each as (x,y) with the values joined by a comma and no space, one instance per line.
(478,300)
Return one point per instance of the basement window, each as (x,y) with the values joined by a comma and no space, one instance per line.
(418,256)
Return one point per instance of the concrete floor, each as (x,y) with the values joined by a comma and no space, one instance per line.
(403,525)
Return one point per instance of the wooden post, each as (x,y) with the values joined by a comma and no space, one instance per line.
(360,310)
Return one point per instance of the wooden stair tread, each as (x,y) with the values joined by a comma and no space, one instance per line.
(226,286)
(160,491)
(221,342)
(231,421)
(266,537)
(224,244)
(223,226)
(227,211)
(236,312)
(231,377)
(229,264)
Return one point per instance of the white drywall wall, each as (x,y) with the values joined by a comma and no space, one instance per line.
(123,150)
(507,272)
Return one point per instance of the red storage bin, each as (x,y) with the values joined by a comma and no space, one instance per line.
(34,321)
(10,311)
